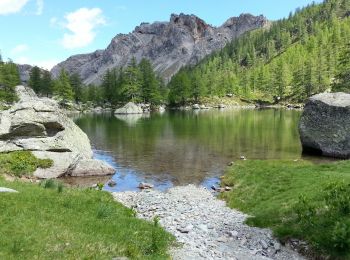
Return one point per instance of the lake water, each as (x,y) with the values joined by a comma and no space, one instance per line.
(190,147)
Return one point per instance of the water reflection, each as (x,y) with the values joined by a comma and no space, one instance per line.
(177,148)
(131,119)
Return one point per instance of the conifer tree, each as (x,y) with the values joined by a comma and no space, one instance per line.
(62,86)
(35,79)
(46,84)
(342,79)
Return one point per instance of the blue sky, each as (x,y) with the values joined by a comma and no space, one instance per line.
(45,32)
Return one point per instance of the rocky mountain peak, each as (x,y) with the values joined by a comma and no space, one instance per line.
(243,19)
(184,40)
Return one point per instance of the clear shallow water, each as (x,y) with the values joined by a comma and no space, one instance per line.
(179,148)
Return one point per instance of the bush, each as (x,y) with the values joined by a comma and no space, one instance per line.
(52,184)
(326,218)
(21,163)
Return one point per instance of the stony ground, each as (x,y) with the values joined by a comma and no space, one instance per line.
(204,226)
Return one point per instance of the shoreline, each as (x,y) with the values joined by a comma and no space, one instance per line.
(204,226)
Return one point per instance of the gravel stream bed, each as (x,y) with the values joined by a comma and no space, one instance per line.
(204,226)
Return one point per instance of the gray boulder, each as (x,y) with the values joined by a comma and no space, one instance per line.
(38,125)
(92,168)
(325,125)
(129,108)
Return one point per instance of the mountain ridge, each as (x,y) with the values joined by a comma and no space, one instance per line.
(183,40)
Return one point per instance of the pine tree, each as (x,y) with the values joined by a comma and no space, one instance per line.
(76,85)
(132,84)
(62,86)
(35,79)
(46,84)
(149,85)
(9,78)
(342,79)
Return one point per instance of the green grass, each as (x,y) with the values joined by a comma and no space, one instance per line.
(47,222)
(296,199)
(21,163)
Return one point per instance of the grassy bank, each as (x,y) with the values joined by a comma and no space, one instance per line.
(296,199)
(48,221)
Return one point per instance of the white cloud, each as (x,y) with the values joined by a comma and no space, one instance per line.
(22,60)
(82,24)
(19,49)
(11,6)
(40,7)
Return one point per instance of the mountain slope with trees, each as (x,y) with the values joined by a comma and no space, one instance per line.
(183,40)
(296,57)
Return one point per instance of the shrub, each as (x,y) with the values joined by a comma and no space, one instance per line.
(21,163)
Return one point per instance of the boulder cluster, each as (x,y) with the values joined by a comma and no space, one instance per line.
(38,125)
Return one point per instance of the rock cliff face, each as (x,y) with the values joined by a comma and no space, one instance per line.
(184,40)
(325,125)
(37,125)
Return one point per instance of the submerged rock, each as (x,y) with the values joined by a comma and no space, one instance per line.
(145,186)
(129,108)
(325,125)
(38,125)
(112,183)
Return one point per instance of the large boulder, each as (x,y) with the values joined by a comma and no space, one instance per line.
(129,108)
(325,125)
(38,125)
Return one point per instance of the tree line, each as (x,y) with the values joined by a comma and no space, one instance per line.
(296,57)
(136,82)
(9,78)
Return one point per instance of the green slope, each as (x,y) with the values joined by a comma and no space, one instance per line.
(292,59)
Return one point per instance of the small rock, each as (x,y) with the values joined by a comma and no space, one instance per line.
(233,233)
(230,164)
(217,189)
(222,239)
(186,229)
(145,186)
(112,183)
(277,247)
(203,227)
(243,158)
(263,244)
(7,190)
(228,188)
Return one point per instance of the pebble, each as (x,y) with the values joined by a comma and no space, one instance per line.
(205,226)
(112,183)
(145,186)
